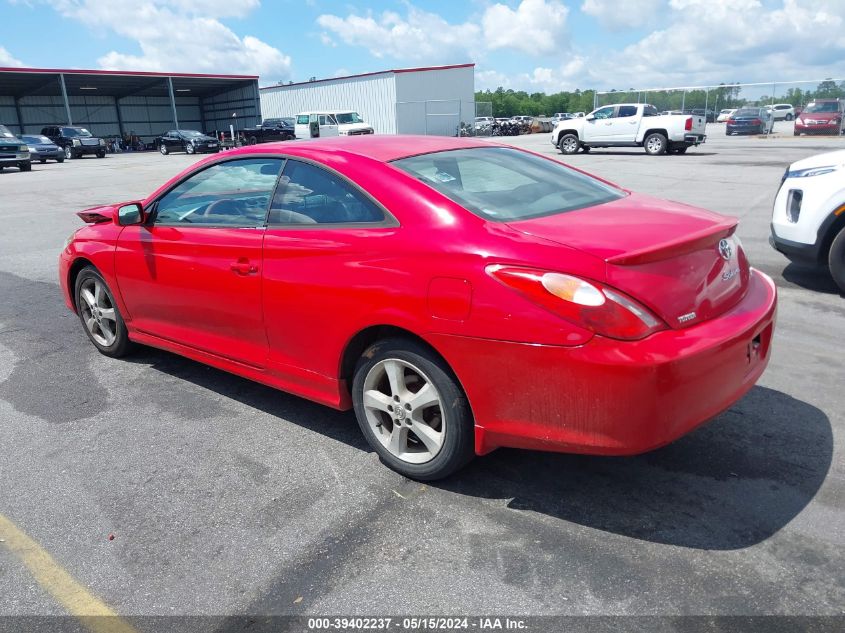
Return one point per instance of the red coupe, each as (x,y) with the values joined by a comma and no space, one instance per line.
(459,295)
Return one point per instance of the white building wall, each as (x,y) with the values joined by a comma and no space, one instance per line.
(373,97)
(435,101)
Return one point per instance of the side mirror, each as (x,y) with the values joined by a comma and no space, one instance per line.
(130,214)
(590,117)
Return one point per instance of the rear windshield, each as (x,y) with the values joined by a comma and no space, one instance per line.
(747,112)
(830,106)
(502,184)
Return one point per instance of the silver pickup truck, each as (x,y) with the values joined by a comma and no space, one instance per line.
(13,151)
(630,125)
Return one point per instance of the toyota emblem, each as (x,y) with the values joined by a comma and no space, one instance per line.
(725,249)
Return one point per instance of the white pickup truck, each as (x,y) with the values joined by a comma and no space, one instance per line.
(630,125)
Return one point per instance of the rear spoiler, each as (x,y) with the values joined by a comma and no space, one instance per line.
(92,217)
(689,243)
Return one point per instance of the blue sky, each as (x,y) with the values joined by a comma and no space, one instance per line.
(535,45)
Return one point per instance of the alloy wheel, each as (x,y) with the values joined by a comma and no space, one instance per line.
(98,313)
(404,411)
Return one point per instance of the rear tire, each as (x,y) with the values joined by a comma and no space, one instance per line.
(655,144)
(568,144)
(412,411)
(99,314)
(252,140)
(836,260)
(42,160)
(788,117)
(60,159)
(163,149)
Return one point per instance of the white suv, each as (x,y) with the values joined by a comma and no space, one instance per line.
(782,111)
(808,221)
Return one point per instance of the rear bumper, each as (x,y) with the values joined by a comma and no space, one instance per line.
(695,139)
(610,397)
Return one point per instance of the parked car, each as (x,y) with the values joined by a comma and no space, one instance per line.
(189,141)
(483,123)
(13,151)
(822,116)
(42,149)
(709,115)
(782,111)
(330,123)
(630,125)
(808,219)
(459,295)
(562,116)
(725,114)
(75,142)
(749,121)
(522,119)
(271,130)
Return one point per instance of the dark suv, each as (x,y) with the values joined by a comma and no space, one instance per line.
(13,151)
(75,141)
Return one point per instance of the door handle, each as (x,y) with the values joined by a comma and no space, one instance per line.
(243,267)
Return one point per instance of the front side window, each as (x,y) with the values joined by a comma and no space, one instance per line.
(349,117)
(302,119)
(234,194)
(603,113)
(503,185)
(311,195)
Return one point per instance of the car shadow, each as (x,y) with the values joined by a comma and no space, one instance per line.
(810,278)
(732,483)
(599,151)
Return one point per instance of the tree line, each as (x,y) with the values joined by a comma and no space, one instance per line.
(507,103)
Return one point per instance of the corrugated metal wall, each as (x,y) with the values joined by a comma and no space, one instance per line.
(217,110)
(8,115)
(373,97)
(152,116)
(435,101)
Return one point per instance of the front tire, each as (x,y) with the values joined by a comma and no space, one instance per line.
(163,149)
(99,314)
(568,144)
(68,153)
(412,411)
(25,166)
(189,148)
(836,260)
(655,144)
(101,153)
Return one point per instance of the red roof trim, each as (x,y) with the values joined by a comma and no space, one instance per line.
(130,73)
(379,72)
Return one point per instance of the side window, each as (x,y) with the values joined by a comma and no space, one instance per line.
(604,113)
(302,119)
(626,111)
(232,194)
(650,110)
(324,120)
(310,195)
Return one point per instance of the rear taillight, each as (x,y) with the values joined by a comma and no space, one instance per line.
(588,304)
(756,122)
(688,124)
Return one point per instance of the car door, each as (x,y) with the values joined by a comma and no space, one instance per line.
(322,252)
(328,125)
(624,124)
(192,273)
(597,128)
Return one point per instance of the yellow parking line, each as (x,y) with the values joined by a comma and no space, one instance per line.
(92,612)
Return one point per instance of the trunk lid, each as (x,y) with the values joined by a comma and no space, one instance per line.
(683,263)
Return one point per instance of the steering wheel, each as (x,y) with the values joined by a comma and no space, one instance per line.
(225,206)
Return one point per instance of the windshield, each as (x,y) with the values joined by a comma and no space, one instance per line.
(191,133)
(348,117)
(288,120)
(829,106)
(75,131)
(36,140)
(503,184)
(5,133)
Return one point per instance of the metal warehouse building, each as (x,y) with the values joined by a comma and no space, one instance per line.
(112,103)
(432,100)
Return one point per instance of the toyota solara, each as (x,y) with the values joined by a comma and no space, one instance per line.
(458,295)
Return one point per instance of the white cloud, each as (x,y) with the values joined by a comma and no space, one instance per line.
(420,37)
(616,16)
(534,27)
(179,35)
(7,60)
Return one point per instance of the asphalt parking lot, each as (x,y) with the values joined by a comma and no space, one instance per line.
(225,497)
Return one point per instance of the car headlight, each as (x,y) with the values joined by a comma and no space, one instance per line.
(30,148)
(102,142)
(812,171)
(77,142)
